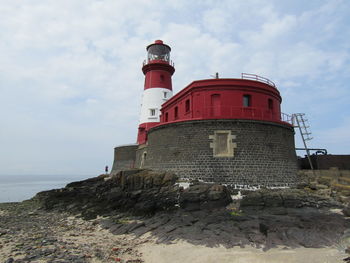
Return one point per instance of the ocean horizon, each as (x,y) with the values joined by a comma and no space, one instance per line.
(17,188)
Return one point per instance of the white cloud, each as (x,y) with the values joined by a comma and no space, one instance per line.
(336,139)
(71,80)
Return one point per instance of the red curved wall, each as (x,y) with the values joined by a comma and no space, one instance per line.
(158,79)
(158,74)
(223,99)
(142,131)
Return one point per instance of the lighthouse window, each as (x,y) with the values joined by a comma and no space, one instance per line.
(270,104)
(152,112)
(158,52)
(247,102)
(187,105)
(162,78)
(166,117)
(176,112)
(165,94)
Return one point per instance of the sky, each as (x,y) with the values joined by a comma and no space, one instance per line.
(71,79)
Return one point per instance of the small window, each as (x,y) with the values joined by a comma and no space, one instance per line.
(187,105)
(176,113)
(247,102)
(162,78)
(152,112)
(166,117)
(165,94)
(270,104)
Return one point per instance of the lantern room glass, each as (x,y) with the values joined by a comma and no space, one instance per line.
(158,52)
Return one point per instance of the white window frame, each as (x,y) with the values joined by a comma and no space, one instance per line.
(153,111)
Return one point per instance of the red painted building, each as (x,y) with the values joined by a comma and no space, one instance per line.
(225,99)
(250,98)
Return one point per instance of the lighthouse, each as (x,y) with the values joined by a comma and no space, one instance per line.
(158,70)
(223,130)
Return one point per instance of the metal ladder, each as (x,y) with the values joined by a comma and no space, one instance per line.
(299,121)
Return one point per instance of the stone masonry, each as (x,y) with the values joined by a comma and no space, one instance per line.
(264,153)
(124,157)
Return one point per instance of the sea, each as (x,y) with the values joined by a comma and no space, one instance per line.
(17,188)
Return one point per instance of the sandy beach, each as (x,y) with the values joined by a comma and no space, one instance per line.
(184,252)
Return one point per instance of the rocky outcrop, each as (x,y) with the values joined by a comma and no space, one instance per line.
(204,196)
(135,191)
(294,217)
(333,183)
(284,199)
(202,213)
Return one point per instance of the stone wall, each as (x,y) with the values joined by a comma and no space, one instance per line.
(124,157)
(324,162)
(333,172)
(263,152)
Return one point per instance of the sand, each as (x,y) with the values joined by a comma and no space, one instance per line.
(183,252)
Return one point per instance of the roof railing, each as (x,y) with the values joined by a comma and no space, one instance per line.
(147,61)
(258,78)
(231,112)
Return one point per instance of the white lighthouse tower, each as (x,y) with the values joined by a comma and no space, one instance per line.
(158,70)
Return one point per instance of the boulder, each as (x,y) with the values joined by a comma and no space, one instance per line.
(325,192)
(341,189)
(321,186)
(325,180)
(204,196)
(346,211)
(252,199)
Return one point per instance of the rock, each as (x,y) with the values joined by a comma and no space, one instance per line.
(302,185)
(252,199)
(169,179)
(346,211)
(141,192)
(325,180)
(341,189)
(321,187)
(273,199)
(287,198)
(313,185)
(204,196)
(345,193)
(347,250)
(325,192)
(344,199)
